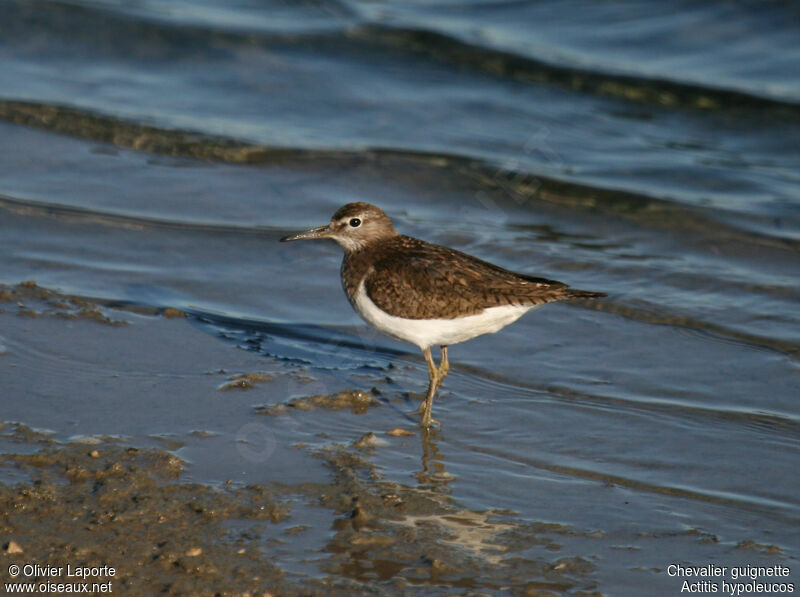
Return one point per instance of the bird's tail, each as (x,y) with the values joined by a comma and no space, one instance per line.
(574,293)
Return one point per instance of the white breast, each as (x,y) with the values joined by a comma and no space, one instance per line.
(429,332)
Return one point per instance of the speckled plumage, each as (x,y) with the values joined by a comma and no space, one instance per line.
(411,278)
(425,293)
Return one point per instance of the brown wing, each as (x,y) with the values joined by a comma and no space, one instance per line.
(419,280)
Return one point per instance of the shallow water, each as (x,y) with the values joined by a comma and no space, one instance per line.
(153,155)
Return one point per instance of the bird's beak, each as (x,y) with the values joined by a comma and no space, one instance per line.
(319,232)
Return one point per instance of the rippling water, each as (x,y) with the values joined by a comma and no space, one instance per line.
(154,152)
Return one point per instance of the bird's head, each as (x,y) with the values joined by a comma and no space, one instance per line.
(353,226)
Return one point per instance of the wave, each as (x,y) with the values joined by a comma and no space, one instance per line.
(649,313)
(660,91)
(127,220)
(512,187)
(128,34)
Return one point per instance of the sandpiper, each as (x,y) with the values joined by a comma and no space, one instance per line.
(427,294)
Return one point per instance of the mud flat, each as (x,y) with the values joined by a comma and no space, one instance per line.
(90,492)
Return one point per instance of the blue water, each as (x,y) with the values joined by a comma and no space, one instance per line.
(154,152)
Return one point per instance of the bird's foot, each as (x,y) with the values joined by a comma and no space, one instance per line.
(429,422)
(424,411)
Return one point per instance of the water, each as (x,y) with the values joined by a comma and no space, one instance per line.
(153,153)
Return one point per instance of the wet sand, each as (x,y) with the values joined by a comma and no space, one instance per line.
(139,442)
(101,501)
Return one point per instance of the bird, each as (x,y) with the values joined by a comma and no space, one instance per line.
(427,294)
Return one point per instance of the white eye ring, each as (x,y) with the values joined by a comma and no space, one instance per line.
(355,222)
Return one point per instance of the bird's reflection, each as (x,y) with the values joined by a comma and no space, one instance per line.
(433,473)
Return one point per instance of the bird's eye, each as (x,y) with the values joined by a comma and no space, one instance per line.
(355,222)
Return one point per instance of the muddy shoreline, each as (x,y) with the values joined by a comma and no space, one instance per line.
(102,502)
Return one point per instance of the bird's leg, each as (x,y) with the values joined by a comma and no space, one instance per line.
(435,377)
(444,365)
(432,371)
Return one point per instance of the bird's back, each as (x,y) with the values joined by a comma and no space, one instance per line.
(414,279)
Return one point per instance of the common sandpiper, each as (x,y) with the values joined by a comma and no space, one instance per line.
(427,294)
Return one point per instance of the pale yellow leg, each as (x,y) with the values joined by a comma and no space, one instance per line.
(444,366)
(436,376)
(432,371)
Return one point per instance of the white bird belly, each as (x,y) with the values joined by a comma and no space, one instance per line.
(429,332)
